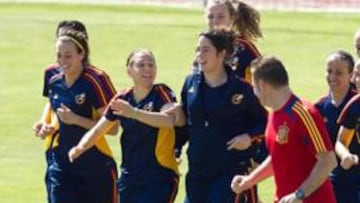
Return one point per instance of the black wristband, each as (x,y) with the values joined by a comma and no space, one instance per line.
(300,194)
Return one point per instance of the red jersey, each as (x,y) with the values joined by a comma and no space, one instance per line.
(294,135)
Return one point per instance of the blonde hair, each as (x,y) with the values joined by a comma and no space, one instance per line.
(146,52)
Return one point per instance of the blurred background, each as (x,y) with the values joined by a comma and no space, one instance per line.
(309,5)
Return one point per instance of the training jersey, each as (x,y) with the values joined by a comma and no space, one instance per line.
(54,69)
(91,91)
(215,115)
(245,53)
(294,135)
(350,119)
(331,113)
(147,152)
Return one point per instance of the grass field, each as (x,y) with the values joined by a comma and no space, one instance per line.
(302,40)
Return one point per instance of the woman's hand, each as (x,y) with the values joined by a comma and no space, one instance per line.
(240,142)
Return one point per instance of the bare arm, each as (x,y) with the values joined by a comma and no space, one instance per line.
(241,183)
(344,138)
(91,137)
(46,114)
(264,171)
(47,123)
(67,116)
(326,162)
(176,110)
(164,118)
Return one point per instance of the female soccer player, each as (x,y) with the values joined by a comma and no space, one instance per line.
(245,21)
(348,144)
(47,124)
(339,68)
(78,96)
(47,127)
(223,118)
(149,170)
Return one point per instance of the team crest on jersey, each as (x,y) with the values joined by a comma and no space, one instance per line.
(237,98)
(80,98)
(149,106)
(282,135)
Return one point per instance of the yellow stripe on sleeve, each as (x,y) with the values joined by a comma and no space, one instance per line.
(248,75)
(98,88)
(311,127)
(348,136)
(164,93)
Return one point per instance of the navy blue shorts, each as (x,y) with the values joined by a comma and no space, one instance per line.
(159,191)
(216,190)
(94,185)
(346,192)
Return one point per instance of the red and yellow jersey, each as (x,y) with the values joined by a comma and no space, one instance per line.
(295,134)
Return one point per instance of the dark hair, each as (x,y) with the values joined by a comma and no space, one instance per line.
(129,60)
(72,25)
(221,39)
(80,41)
(270,70)
(346,57)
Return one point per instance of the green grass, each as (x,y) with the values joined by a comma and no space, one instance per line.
(302,40)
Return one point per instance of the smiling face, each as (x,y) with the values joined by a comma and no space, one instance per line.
(338,74)
(68,56)
(142,69)
(218,14)
(208,58)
